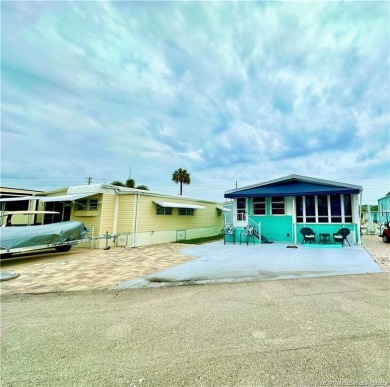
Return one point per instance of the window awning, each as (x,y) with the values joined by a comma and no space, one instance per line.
(224,209)
(64,198)
(179,205)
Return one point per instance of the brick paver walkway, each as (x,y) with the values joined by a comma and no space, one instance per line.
(84,269)
(378,250)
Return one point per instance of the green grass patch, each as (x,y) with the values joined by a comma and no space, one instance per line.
(200,241)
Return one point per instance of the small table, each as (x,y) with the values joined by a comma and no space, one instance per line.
(324,238)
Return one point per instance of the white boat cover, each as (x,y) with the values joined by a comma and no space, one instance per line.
(41,235)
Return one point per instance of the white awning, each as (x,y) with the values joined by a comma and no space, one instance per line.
(32,212)
(21,198)
(224,209)
(179,205)
(64,198)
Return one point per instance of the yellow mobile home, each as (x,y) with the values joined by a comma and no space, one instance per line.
(132,217)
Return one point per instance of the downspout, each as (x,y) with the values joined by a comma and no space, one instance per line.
(100,223)
(135,221)
(116,212)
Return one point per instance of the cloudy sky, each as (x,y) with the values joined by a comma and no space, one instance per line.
(234,92)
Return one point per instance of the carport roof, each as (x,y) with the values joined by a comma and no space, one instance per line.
(61,198)
(293,185)
(65,198)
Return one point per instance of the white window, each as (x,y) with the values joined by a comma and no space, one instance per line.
(87,205)
(277,205)
(241,209)
(160,210)
(186,211)
(324,209)
(259,206)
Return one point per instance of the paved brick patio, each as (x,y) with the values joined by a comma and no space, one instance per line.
(84,269)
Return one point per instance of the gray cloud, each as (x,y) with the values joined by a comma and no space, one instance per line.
(230,91)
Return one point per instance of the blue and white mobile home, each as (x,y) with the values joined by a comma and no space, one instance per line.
(280,208)
(384,210)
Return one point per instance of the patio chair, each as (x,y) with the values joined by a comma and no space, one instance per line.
(308,235)
(229,234)
(248,232)
(341,236)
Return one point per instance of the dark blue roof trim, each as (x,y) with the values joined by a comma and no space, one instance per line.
(291,189)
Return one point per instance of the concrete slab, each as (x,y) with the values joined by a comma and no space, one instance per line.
(232,263)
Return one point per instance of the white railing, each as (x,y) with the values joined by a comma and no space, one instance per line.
(241,220)
(257,228)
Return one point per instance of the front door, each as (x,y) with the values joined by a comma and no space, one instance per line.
(241,210)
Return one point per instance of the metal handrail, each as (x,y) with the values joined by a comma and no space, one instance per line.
(257,228)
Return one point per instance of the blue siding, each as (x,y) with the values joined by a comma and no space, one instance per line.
(383,206)
(329,228)
(276,228)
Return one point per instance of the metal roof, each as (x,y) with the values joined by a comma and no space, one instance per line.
(31,212)
(293,185)
(43,199)
(21,198)
(65,198)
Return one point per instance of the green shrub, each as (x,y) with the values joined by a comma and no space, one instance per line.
(199,241)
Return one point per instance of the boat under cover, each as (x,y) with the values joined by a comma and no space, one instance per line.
(40,235)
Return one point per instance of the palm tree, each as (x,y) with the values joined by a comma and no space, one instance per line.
(181,176)
(130,183)
(118,183)
(143,187)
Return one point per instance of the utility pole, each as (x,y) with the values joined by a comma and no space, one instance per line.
(236,184)
(89,180)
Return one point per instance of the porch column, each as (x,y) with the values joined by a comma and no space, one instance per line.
(356,208)
(294,220)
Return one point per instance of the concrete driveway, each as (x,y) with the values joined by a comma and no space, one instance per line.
(229,263)
(85,269)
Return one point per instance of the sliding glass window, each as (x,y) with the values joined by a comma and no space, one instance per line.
(310,205)
(299,203)
(335,209)
(323,209)
(347,209)
(322,205)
